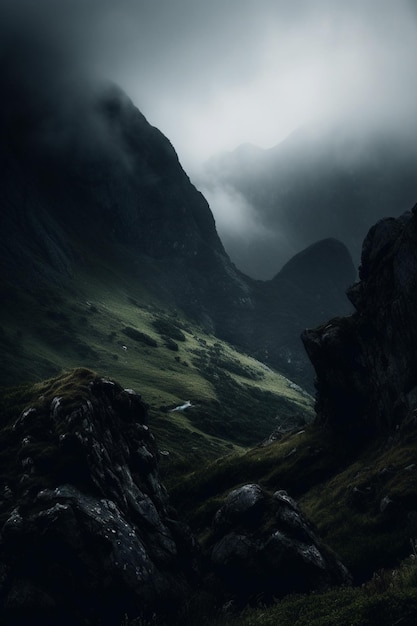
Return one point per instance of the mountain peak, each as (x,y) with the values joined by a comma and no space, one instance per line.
(329,257)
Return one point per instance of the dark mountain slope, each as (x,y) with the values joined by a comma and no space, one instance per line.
(305,289)
(353,470)
(99,191)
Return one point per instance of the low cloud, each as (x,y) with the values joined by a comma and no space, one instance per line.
(256,249)
(215,75)
(52,100)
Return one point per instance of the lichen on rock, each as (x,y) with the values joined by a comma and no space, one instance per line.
(89,533)
(263,546)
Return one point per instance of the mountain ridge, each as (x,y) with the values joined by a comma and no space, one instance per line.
(67,207)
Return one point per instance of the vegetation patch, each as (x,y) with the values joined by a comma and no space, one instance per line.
(236,400)
(168,328)
(363,503)
(137,335)
(170,343)
(339,607)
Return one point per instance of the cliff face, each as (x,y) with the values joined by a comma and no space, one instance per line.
(366,364)
(87,529)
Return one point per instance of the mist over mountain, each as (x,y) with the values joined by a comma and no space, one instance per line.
(320,182)
(113,267)
(89,186)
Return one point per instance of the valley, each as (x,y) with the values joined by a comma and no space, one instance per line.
(161,431)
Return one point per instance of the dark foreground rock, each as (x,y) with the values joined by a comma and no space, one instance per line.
(263,546)
(366,364)
(88,534)
(87,531)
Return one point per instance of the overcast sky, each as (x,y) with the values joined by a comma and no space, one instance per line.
(213,75)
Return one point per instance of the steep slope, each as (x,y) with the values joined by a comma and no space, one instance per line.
(299,296)
(126,189)
(353,470)
(98,195)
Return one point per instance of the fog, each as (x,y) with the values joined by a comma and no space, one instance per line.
(212,76)
(215,75)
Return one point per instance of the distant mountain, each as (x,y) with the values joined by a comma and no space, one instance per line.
(305,288)
(102,195)
(318,183)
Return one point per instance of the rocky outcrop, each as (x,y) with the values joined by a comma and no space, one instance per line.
(263,546)
(88,534)
(366,364)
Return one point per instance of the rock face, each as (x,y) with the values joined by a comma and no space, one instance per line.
(88,534)
(264,545)
(366,364)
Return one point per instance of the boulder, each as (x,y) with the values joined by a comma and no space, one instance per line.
(263,546)
(88,533)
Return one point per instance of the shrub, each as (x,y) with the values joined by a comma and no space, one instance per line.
(168,329)
(137,335)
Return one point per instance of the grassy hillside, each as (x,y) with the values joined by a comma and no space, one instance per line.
(122,333)
(363,503)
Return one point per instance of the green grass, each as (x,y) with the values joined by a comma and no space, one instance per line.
(340,489)
(237,401)
(340,607)
(109,324)
(389,598)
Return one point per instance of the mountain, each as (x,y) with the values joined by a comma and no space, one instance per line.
(298,296)
(322,182)
(353,470)
(89,532)
(111,260)
(98,196)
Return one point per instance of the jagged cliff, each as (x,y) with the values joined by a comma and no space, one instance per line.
(366,364)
